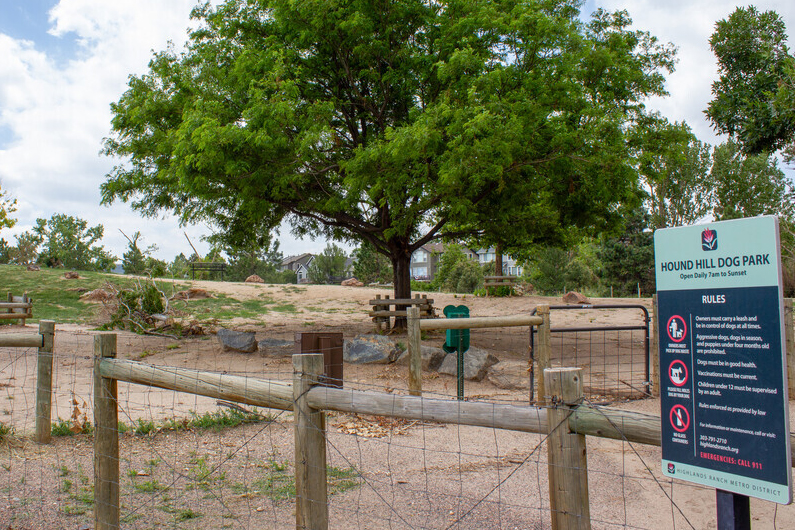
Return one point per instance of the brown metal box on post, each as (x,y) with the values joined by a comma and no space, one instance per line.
(330,345)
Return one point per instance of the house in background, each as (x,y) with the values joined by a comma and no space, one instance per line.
(349,265)
(509,265)
(425,261)
(298,264)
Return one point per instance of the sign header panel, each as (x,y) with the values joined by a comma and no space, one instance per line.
(723,388)
(719,255)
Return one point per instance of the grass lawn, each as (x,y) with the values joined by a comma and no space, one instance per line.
(56,298)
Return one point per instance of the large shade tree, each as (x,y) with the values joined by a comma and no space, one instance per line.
(391,122)
(755,94)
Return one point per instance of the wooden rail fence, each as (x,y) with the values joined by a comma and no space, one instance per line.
(494,282)
(43,340)
(16,307)
(415,327)
(386,308)
(567,422)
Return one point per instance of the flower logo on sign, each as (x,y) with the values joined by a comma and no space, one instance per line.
(709,239)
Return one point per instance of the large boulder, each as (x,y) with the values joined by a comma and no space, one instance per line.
(239,341)
(510,375)
(431,357)
(276,347)
(370,349)
(476,364)
(351,282)
(254,279)
(573,297)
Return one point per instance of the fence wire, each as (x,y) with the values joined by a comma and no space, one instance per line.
(193,462)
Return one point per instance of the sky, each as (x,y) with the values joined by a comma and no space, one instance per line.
(63,62)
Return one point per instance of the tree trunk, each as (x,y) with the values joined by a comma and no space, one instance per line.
(401,276)
(498,259)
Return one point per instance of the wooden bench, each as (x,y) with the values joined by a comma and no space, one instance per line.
(17,307)
(206,266)
(386,308)
(490,282)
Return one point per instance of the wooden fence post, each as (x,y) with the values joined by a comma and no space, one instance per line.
(415,351)
(44,383)
(311,497)
(106,439)
(789,331)
(568,465)
(542,353)
(655,350)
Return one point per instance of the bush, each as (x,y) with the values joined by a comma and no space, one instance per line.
(465,277)
(502,290)
(134,307)
(456,272)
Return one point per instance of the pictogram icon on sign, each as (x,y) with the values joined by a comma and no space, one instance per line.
(677,373)
(680,418)
(677,329)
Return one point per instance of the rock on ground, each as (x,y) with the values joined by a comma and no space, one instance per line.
(97,295)
(476,364)
(276,347)
(573,297)
(241,341)
(510,375)
(370,349)
(432,357)
(71,275)
(193,293)
(352,282)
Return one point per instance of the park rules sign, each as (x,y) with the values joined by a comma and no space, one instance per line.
(723,377)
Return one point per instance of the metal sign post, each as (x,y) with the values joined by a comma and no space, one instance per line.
(457,340)
(734,510)
(723,376)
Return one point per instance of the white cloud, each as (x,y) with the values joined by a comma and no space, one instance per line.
(59,113)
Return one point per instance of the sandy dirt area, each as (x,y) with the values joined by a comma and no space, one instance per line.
(404,474)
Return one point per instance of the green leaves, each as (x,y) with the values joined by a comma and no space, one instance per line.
(749,185)
(673,165)
(70,243)
(395,123)
(755,93)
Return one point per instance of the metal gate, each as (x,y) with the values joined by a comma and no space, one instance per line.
(614,365)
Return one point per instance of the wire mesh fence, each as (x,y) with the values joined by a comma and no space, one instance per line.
(188,461)
(610,342)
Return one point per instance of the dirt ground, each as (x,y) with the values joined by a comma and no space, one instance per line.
(405,474)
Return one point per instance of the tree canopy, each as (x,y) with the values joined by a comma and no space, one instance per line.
(673,165)
(328,266)
(69,242)
(393,123)
(755,94)
(749,185)
(7,207)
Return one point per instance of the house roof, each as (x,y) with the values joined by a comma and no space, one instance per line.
(303,259)
(435,246)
